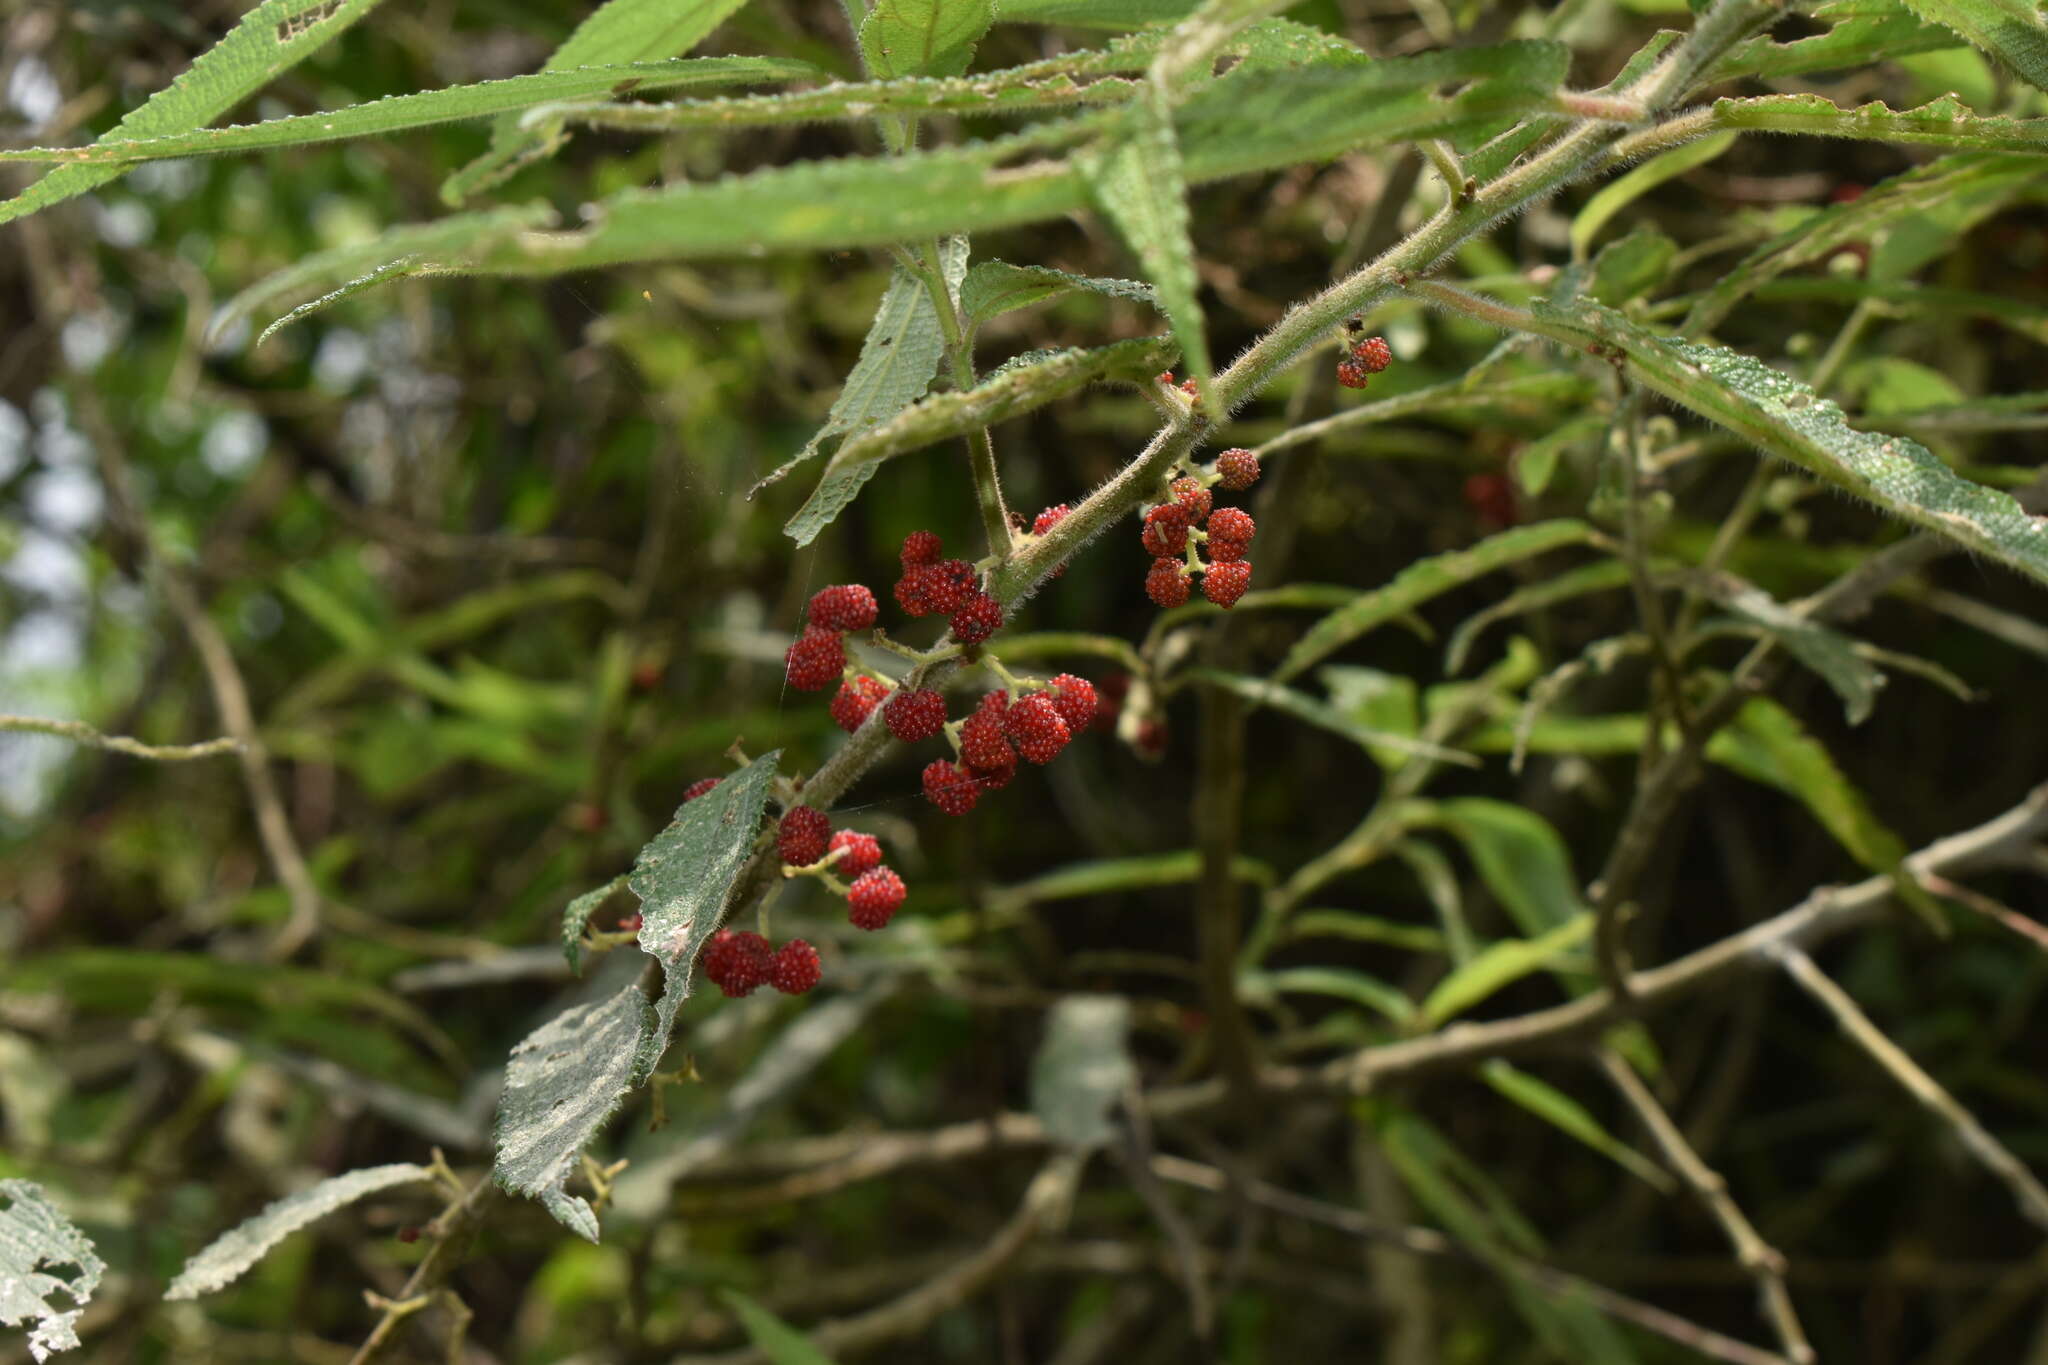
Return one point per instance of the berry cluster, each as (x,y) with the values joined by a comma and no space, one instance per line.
(1175,528)
(1368,357)
(738,963)
(948,587)
(1036,726)
(818,657)
(807,844)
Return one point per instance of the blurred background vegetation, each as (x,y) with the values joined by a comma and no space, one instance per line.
(482,552)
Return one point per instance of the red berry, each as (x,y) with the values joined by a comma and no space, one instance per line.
(1075,700)
(1239,469)
(873,899)
(848,606)
(1225,583)
(1166,530)
(912,716)
(1191,497)
(1035,725)
(857,698)
(979,617)
(1190,388)
(794,969)
(982,745)
(1492,499)
(862,851)
(922,547)
(816,660)
(408,1234)
(736,963)
(698,788)
(1151,739)
(995,779)
(952,582)
(1230,534)
(950,787)
(1374,354)
(586,818)
(1109,699)
(646,675)
(800,838)
(1352,373)
(1049,518)
(1167,582)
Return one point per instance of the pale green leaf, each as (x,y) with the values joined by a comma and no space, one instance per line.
(399,113)
(1264,692)
(1104,876)
(2010,30)
(923,37)
(1082,1068)
(1520,857)
(1618,194)
(1498,965)
(576,915)
(1571,1118)
(1628,268)
(993,288)
(1006,393)
(1827,652)
(224,1261)
(42,1256)
(1134,179)
(1947,123)
(1423,580)
(772,1337)
(1603,575)
(1379,701)
(1860,33)
(1119,15)
(1785,418)
(270,39)
(1340,983)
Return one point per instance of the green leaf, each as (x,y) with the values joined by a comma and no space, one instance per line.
(399,113)
(993,288)
(1604,575)
(2010,30)
(1501,964)
(772,1337)
(1618,194)
(1120,15)
(1861,33)
(617,31)
(1082,1068)
(1439,882)
(1521,858)
(1028,384)
(43,1255)
(1265,692)
(1423,580)
(1785,418)
(1341,983)
(270,39)
(576,914)
(1416,938)
(1134,179)
(1103,876)
(225,1259)
(1571,1118)
(897,360)
(1380,701)
(923,37)
(1827,652)
(1947,123)
(1629,268)
(1766,744)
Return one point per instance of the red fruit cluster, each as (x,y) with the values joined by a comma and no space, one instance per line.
(739,963)
(874,898)
(1170,526)
(698,788)
(805,839)
(858,697)
(800,839)
(817,658)
(1045,521)
(1368,357)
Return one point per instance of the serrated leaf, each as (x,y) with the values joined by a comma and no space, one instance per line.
(772,1337)
(1767,744)
(683,877)
(223,1262)
(1619,193)
(1520,857)
(1946,123)
(1571,1118)
(562,1082)
(1827,652)
(1861,33)
(1338,983)
(1082,1068)
(617,31)
(36,1239)
(2010,30)
(1006,393)
(1501,964)
(923,37)
(993,288)
(1134,179)
(270,39)
(1785,418)
(576,915)
(1420,582)
(897,360)
(398,113)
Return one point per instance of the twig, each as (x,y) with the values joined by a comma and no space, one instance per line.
(1989,1151)
(1762,1260)
(452,1232)
(79,731)
(1998,912)
(1428,1242)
